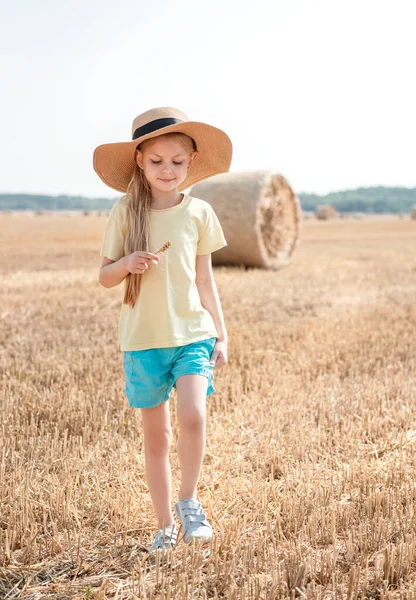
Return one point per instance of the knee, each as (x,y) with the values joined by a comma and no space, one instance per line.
(192,419)
(158,443)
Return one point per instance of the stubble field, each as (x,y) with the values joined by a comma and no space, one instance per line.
(309,472)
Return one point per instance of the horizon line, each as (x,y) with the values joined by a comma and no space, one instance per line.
(73,195)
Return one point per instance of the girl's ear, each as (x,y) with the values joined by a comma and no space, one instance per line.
(194,156)
(139,159)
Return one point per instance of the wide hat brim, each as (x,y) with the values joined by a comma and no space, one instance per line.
(114,163)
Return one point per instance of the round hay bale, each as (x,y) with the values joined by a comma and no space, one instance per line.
(259,214)
(413,212)
(325,211)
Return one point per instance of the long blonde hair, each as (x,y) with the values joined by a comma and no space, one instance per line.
(137,219)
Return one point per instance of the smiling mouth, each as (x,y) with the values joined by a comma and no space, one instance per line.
(166,180)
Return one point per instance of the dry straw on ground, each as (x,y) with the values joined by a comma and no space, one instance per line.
(259,213)
(309,471)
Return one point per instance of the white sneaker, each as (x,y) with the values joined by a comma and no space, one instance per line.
(169,541)
(194,521)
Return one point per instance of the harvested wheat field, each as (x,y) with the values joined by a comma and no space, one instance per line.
(309,473)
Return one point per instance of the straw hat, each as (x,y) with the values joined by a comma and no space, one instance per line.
(114,163)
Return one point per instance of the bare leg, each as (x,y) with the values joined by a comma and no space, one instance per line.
(157,441)
(191,411)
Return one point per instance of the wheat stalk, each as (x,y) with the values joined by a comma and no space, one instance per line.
(164,247)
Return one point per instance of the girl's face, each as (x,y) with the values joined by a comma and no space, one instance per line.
(165,163)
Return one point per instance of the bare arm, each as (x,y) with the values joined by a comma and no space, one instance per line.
(208,294)
(112,272)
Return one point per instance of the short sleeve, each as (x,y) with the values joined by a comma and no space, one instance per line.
(212,236)
(113,243)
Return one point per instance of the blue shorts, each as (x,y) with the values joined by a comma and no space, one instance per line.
(151,374)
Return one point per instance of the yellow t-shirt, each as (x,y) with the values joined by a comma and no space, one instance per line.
(168,311)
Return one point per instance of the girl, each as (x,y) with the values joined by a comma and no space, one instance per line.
(171,328)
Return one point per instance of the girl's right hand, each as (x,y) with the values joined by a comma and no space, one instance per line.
(138,262)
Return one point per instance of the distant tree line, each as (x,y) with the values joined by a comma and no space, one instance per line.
(366,200)
(40,202)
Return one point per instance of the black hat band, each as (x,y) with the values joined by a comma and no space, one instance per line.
(154,126)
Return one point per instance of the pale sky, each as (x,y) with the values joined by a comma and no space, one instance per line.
(320,91)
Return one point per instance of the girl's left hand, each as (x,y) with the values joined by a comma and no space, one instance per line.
(219,355)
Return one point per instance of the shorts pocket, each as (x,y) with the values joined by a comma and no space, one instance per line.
(128,363)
